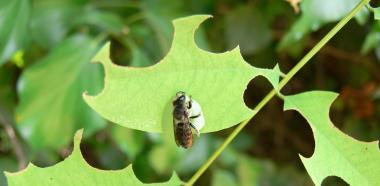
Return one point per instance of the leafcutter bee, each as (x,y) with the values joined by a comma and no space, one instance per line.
(187,114)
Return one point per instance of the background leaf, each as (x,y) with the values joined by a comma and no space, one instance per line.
(52,20)
(75,170)
(335,154)
(372,40)
(14,15)
(50,94)
(315,14)
(248,29)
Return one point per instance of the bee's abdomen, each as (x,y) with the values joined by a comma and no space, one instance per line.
(183,135)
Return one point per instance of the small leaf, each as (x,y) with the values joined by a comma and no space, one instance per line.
(140,98)
(14,15)
(51,108)
(335,154)
(74,170)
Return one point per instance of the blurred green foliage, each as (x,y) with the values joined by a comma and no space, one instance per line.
(45,48)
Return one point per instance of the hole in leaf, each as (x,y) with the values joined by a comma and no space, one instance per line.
(47,158)
(144,171)
(353,112)
(210,35)
(256,90)
(119,54)
(101,152)
(301,134)
(130,54)
(374,3)
(333,181)
(280,138)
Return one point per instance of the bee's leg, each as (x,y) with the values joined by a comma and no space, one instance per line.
(197,131)
(190,103)
(193,117)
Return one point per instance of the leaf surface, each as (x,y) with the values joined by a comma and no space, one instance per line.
(335,152)
(75,171)
(140,98)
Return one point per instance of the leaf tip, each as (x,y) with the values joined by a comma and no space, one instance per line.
(195,18)
(184,28)
(103,55)
(88,98)
(78,137)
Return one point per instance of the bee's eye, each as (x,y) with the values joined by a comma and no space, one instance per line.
(182,98)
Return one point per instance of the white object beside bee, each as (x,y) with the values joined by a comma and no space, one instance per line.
(187,114)
(196,116)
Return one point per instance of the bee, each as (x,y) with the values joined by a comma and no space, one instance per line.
(187,115)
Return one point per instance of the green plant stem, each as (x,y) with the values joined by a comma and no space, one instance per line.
(272,93)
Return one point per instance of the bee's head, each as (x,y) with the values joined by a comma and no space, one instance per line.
(181,98)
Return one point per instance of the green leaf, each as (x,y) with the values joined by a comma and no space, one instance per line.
(75,171)
(335,152)
(51,108)
(140,98)
(14,15)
